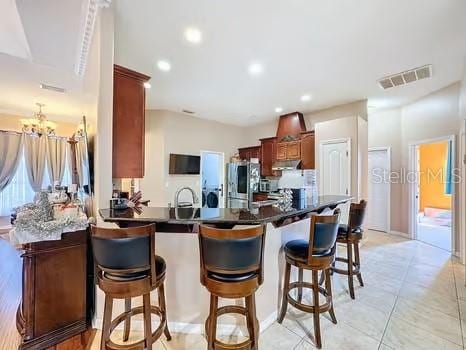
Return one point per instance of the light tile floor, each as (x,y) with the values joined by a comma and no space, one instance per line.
(414,298)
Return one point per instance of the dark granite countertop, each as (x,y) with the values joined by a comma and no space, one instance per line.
(216,215)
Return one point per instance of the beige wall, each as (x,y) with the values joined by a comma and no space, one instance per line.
(433,116)
(170,132)
(353,109)
(12,122)
(103,40)
(354,128)
(384,130)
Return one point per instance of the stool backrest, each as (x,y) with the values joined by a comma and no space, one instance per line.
(356,215)
(125,250)
(323,233)
(231,251)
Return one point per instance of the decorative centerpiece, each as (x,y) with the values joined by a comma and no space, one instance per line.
(40,221)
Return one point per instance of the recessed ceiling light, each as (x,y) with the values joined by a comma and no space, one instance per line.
(164,66)
(306,98)
(256,68)
(278,109)
(193,35)
(147,85)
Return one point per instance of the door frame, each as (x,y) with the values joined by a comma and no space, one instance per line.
(413,204)
(389,167)
(321,159)
(222,198)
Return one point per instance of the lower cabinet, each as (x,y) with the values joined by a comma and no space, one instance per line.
(57,293)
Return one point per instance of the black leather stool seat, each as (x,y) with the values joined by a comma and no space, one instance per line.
(237,277)
(343,231)
(298,249)
(160,268)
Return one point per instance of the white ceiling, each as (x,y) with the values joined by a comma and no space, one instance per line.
(41,42)
(335,50)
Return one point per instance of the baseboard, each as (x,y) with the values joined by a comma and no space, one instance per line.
(193,328)
(399,233)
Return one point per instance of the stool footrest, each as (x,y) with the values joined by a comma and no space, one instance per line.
(309,308)
(356,267)
(140,344)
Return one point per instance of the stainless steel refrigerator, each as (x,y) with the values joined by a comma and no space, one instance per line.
(242,181)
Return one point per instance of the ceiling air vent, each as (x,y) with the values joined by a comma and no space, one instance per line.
(406,77)
(51,88)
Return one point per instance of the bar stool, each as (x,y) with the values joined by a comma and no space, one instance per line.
(232,267)
(351,234)
(316,255)
(127,267)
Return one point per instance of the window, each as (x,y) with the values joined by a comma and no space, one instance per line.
(20,192)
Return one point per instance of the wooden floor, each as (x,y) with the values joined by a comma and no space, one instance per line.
(10,295)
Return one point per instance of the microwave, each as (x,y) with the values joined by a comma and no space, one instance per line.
(264,185)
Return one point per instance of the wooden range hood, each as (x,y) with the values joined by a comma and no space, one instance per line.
(291,124)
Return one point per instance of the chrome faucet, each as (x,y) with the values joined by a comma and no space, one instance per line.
(177,194)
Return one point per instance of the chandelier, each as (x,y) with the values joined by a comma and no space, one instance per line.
(39,125)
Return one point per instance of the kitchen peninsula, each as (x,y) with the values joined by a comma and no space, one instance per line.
(187,300)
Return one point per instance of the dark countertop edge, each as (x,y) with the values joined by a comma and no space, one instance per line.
(220,221)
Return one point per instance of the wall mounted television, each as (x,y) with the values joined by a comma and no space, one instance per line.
(182,164)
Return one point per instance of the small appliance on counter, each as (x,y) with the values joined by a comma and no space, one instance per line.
(264,185)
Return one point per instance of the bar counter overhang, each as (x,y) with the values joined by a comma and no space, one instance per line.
(187,299)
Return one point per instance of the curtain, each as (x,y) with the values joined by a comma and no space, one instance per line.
(10,152)
(35,154)
(56,154)
(18,191)
(82,162)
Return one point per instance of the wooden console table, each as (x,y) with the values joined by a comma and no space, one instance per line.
(57,293)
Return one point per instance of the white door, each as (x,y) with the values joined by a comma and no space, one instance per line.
(335,176)
(378,200)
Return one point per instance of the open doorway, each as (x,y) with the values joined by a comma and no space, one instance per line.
(433,192)
(212,178)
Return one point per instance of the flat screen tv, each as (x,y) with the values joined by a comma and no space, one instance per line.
(183,164)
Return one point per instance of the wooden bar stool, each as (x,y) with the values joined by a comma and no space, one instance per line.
(127,267)
(316,255)
(232,267)
(350,235)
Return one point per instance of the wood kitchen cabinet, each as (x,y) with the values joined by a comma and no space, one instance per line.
(57,302)
(268,155)
(246,153)
(129,100)
(288,150)
(308,150)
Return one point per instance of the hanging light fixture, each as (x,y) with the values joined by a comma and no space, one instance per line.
(39,125)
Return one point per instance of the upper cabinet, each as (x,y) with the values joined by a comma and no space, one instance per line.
(129,99)
(268,155)
(246,153)
(288,150)
(307,150)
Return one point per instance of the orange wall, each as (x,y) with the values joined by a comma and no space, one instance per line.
(432,188)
